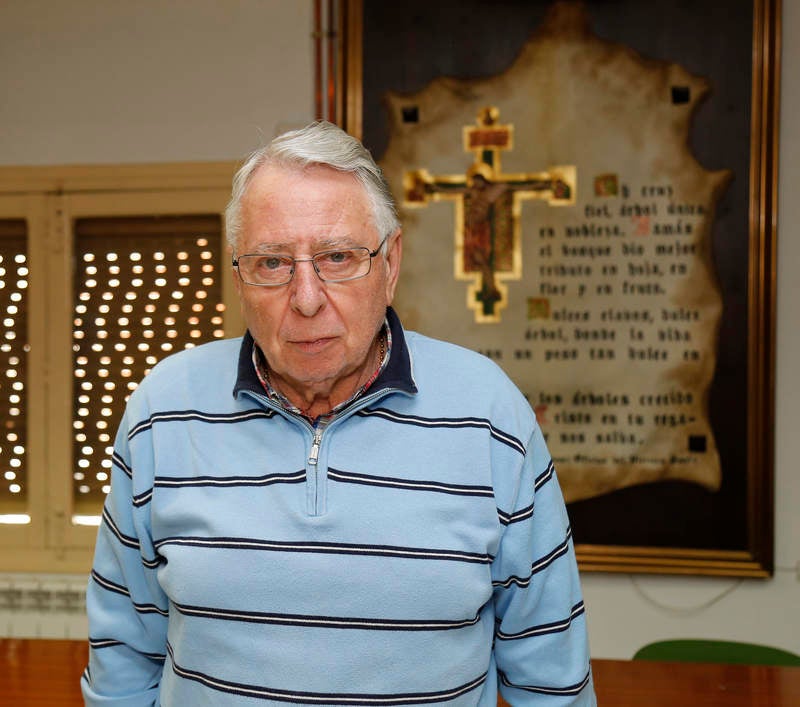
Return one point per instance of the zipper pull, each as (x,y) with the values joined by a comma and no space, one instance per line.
(314,453)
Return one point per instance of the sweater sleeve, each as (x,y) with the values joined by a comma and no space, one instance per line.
(126,607)
(541,644)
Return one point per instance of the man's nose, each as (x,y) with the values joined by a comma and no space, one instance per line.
(307,294)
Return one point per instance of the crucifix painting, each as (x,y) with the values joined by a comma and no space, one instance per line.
(488,205)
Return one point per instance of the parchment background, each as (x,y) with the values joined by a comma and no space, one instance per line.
(575,99)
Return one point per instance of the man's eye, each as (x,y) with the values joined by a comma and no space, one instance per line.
(270,263)
(337,257)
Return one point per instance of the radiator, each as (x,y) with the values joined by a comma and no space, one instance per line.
(43,606)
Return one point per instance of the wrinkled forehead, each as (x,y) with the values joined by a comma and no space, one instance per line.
(308,205)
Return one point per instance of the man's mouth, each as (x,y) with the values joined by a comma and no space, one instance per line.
(311,346)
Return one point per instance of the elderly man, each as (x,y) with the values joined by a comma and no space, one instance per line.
(330,510)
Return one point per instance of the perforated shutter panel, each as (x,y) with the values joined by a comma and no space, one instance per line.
(145,287)
(13,354)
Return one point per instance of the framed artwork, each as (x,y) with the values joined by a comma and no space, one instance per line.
(588,193)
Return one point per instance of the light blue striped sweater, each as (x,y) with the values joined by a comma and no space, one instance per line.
(417,552)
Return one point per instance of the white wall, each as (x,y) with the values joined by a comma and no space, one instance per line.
(99,81)
(94,81)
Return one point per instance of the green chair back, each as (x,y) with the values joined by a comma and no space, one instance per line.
(711,651)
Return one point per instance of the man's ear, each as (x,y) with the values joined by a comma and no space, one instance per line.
(237,281)
(394,255)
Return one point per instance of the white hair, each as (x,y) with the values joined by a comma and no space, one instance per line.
(320,143)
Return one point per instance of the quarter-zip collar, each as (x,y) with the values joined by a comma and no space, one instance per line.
(396,375)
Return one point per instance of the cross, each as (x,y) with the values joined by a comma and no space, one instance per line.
(488,209)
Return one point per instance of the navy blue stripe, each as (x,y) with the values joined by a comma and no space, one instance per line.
(142,499)
(544,629)
(120,463)
(332,622)
(545,476)
(575,689)
(152,564)
(108,585)
(446,422)
(98,643)
(411,484)
(126,540)
(516,517)
(129,541)
(111,586)
(538,565)
(229,481)
(321,698)
(328,548)
(197,415)
(525,513)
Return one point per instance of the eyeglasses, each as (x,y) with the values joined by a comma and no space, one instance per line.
(274,270)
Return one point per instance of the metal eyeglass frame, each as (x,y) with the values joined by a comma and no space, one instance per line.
(313,261)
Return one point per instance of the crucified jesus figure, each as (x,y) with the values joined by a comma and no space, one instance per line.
(488,228)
